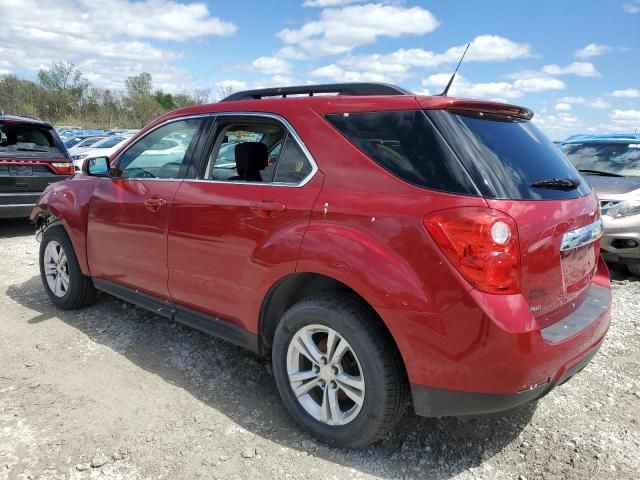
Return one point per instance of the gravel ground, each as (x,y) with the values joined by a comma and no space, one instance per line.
(115,392)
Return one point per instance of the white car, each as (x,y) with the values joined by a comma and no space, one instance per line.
(103,148)
(86,143)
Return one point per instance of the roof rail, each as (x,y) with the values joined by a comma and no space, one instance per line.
(355,89)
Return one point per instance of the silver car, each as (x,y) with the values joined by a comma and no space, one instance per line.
(611,165)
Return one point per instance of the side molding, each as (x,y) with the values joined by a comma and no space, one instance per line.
(213,326)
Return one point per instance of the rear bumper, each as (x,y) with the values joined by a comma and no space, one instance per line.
(488,353)
(17,204)
(433,402)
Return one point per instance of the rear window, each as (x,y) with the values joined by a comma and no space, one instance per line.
(509,156)
(407,145)
(615,158)
(26,140)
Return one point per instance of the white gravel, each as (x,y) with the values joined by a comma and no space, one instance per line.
(115,392)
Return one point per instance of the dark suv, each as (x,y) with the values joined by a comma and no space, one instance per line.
(382,248)
(32,156)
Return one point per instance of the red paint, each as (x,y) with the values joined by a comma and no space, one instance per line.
(219,248)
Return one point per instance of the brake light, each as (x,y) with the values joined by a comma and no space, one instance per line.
(63,168)
(482,244)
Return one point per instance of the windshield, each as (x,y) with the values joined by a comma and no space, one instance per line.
(615,158)
(19,139)
(513,157)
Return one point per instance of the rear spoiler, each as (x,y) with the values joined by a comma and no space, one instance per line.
(477,106)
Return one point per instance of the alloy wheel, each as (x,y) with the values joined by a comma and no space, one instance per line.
(56,269)
(325,375)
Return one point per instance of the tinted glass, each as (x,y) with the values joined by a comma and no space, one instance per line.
(616,158)
(509,155)
(149,157)
(293,165)
(406,144)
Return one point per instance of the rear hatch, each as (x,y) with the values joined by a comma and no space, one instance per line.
(31,156)
(520,172)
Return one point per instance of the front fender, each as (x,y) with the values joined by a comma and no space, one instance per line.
(69,201)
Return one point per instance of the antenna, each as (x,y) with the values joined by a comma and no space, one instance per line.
(446,89)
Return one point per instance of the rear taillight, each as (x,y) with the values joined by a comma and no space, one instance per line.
(63,168)
(482,244)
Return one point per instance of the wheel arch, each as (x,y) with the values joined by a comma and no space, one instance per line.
(289,290)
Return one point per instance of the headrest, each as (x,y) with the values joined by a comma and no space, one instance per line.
(251,157)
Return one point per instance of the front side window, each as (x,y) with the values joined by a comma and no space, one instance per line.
(161,153)
(258,152)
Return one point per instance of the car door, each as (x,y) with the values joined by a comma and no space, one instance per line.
(231,238)
(129,211)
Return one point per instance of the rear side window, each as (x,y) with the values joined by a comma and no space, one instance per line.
(293,166)
(26,140)
(406,144)
(512,156)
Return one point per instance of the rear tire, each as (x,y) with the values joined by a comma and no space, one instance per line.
(360,390)
(60,272)
(634,268)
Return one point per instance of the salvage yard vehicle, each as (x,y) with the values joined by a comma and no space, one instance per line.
(32,156)
(382,248)
(611,165)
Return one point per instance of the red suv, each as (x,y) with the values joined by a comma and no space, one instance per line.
(382,248)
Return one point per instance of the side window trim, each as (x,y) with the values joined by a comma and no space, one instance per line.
(290,132)
(188,155)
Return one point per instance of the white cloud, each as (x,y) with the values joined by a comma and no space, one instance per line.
(599,103)
(337,73)
(232,85)
(582,69)
(461,87)
(329,3)
(626,93)
(538,84)
(626,115)
(397,65)
(632,7)
(563,106)
(572,100)
(625,119)
(108,38)
(593,103)
(340,30)
(592,50)
(271,65)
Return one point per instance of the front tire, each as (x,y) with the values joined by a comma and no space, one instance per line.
(338,372)
(60,272)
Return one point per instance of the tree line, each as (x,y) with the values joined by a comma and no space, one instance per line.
(61,95)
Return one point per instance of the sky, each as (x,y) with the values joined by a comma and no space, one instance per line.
(576,63)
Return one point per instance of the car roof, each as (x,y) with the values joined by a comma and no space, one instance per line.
(603,138)
(24,120)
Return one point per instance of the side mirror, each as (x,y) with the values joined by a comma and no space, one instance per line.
(96,167)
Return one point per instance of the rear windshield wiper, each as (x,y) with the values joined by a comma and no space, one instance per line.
(558,184)
(600,172)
